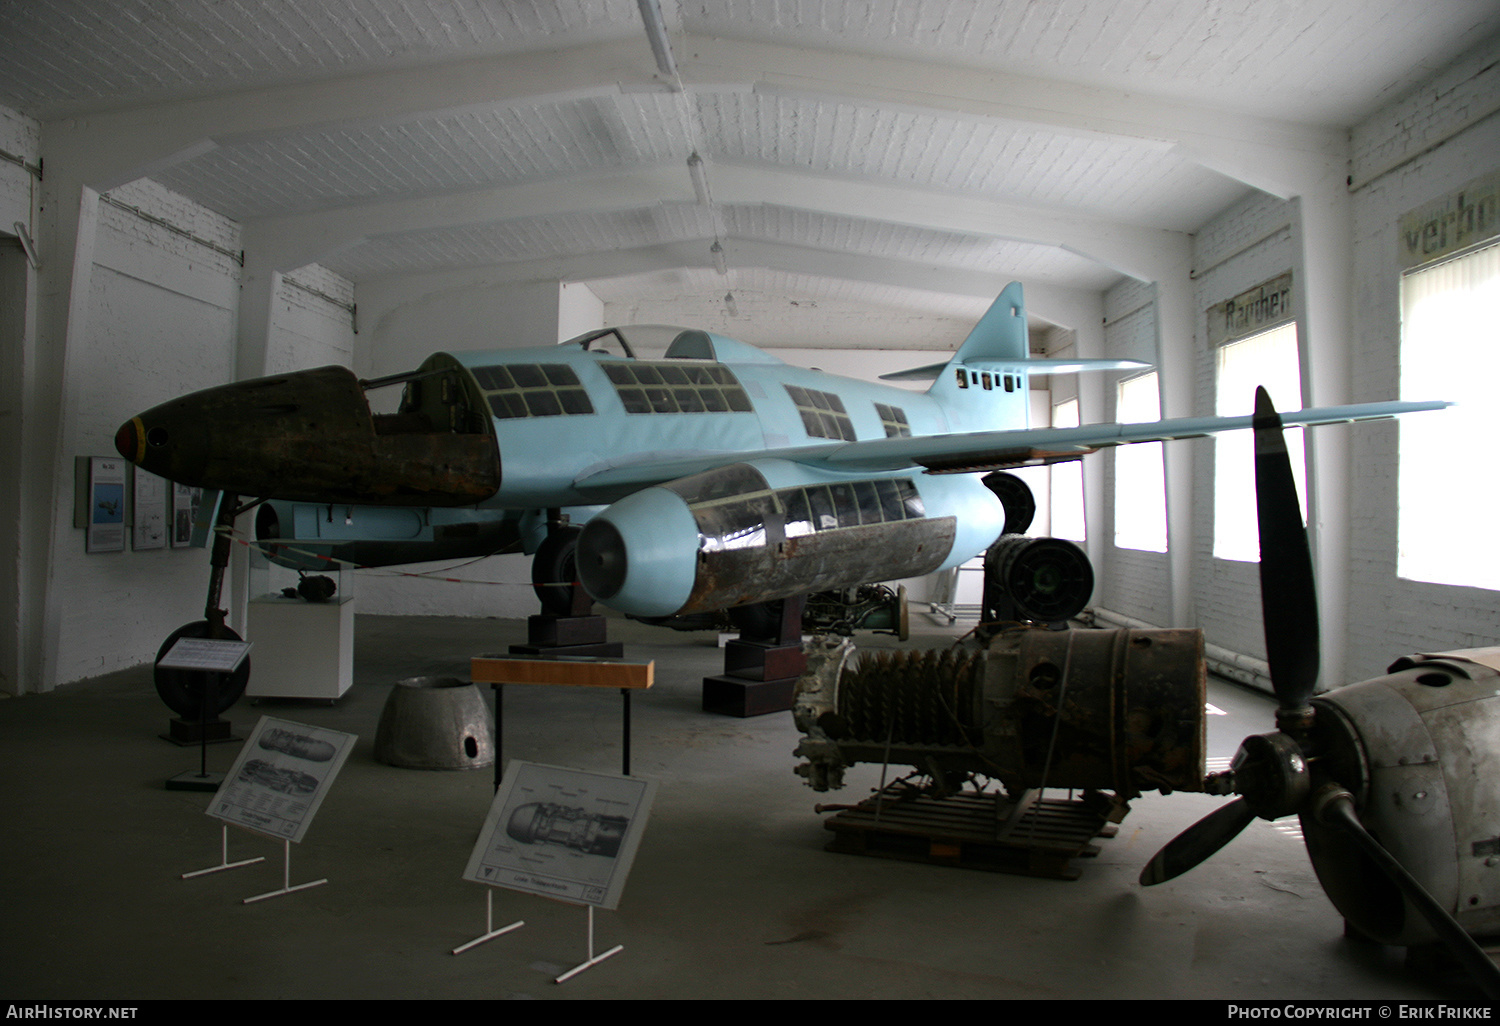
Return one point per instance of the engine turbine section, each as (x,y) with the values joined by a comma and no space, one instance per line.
(768,529)
(1118,710)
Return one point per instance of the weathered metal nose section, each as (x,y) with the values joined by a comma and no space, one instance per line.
(310,436)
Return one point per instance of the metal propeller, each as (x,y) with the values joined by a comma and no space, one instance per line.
(1271,772)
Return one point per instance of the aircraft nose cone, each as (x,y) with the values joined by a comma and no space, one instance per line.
(127,441)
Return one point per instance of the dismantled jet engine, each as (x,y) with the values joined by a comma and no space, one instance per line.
(769,529)
(1044,580)
(1119,710)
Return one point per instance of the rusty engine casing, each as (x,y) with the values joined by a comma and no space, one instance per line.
(1118,710)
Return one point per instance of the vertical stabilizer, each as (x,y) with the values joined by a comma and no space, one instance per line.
(966,385)
(1001,332)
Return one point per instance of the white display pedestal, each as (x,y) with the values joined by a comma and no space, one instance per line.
(302,649)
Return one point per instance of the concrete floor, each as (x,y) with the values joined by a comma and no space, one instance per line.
(731,896)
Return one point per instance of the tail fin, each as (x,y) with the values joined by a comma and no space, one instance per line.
(1000,334)
(996,349)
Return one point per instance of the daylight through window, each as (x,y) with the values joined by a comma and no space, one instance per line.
(1269,359)
(1140,482)
(1449,351)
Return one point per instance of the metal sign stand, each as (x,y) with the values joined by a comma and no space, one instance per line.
(593,959)
(286,874)
(490,933)
(224,862)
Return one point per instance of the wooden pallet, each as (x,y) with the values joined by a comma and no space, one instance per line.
(1029,835)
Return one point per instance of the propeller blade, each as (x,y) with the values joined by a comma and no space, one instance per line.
(1197,842)
(1335,807)
(1288,595)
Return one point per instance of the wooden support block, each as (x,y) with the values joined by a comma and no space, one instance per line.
(735,696)
(589,673)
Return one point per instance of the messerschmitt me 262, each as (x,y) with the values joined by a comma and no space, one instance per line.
(719,476)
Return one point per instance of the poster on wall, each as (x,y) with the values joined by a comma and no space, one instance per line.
(281,776)
(149,523)
(185,504)
(563,833)
(106,518)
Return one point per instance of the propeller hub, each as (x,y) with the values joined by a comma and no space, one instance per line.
(1271,772)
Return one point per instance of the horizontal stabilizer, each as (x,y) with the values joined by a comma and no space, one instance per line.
(932,370)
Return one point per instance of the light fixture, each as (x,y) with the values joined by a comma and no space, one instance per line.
(656,32)
(734,311)
(717,252)
(700,179)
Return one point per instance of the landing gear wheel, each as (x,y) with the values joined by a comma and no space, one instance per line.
(554,570)
(184,691)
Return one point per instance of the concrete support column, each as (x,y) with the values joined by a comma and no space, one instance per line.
(1176,365)
(70,219)
(1324,231)
(1088,336)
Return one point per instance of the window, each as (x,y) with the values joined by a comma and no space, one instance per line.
(893,419)
(1448,351)
(677,387)
(823,413)
(1267,359)
(1067,482)
(1140,483)
(854,504)
(533,390)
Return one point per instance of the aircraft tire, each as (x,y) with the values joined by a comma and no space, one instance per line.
(184,691)
(556,562)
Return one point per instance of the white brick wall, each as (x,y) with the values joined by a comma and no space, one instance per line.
(1133,582)
(1408,154)
(1405,156)
(1249,244)
(19,136)
(307,329)
(160,323)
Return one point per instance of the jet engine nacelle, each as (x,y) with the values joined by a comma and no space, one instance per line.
(1420,751)
(768,529)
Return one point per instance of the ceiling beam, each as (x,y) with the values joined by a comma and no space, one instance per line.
(294,240)
(119,146)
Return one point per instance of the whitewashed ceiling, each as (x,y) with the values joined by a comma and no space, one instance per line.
(911,155)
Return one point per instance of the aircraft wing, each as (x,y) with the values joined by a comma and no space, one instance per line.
(970,452)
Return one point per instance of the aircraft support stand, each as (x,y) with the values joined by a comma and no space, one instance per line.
(760,674)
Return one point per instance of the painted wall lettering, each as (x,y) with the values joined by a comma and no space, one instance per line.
(1265,306)
(1464,218)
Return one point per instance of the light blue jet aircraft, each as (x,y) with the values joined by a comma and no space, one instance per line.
(715,477)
